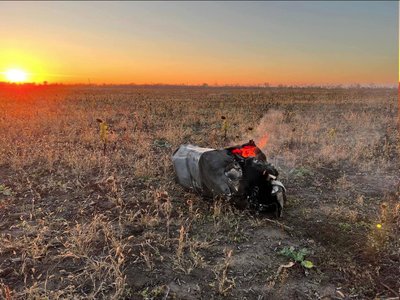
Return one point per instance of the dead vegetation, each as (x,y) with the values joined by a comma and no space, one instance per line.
(78,223)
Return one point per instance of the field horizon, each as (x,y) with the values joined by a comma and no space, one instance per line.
(20,85)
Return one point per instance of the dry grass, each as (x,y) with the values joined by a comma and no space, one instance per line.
(79,224)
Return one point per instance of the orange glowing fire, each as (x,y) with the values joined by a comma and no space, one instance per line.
(251,149)
(246,151)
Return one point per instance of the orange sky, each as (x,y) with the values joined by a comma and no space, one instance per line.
(193,42)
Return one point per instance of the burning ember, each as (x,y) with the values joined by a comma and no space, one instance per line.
(246,151)
(250,149)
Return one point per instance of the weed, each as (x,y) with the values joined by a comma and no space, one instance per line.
(5,190)
(153,293)
(298,256)
(224,283)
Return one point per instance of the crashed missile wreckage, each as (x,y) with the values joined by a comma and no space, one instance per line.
(239,173)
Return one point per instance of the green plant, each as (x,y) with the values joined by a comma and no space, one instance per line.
(345,226)
(298,256)
(5,190)
(153,293)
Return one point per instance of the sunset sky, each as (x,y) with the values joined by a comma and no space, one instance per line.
(194,42)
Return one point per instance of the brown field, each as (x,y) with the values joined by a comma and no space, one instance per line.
(77,224)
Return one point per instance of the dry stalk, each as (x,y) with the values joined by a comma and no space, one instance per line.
(224,283)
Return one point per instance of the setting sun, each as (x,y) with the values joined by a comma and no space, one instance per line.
(16,75)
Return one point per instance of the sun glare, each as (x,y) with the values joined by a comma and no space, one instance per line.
(16,75)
